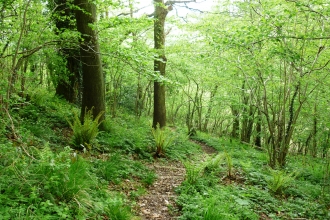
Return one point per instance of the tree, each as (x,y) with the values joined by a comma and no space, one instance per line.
(161,11)
(159,116)
(93,79)
(68,79)
(281,49)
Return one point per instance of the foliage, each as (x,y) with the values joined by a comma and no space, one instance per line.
(115,137)
(279,181)
(116,168)
(214,163)
(262,62)
(52,185)
(193,171)
(163,140)
(181,148)
(84,133)
(214,203)
(298,192)
(229,162)
(42,120)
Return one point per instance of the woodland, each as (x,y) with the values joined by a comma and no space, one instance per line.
(127,109)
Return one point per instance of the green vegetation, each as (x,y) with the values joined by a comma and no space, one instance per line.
(42,179)
(162,140)
(84,133)
(103,103)
(253,191)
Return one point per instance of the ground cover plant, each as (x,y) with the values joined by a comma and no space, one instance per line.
(109,107)
(254,191)
(43,177)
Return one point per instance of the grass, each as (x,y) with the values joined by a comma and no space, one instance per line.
(254,191)
(42,178)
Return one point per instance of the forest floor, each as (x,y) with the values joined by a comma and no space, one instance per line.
(206,177)
(159,201)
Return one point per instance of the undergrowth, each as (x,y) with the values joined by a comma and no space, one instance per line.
(41,178)
(49,185)
(84,133)
(253,191)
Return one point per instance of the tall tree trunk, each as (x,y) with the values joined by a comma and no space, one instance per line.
(247,124)
(70,88)
(293,115)
(199,108)
(235,129)
(314,135)
(209,108)
(248,112)
(258,130)
(159,116)
(93,79)
(69,82)
(23,78)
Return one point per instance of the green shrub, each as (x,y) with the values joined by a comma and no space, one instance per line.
(182,148)
(49,184)
(131,136)
(84,134)
(148,178)
(53,186)
(214,211)
(162,140)
(193,171)
(215,162)
(279,181)
(116,168)
(229,162)
(117,210)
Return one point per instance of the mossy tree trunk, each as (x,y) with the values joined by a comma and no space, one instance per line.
(235,128)
(69,81)
(93,79)
(159,116)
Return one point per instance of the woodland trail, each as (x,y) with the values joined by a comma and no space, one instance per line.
(159,202)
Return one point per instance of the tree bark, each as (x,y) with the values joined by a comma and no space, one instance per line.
(315,122)
(69,82)
(93,79)
(159,116)
(235,112)
(209,108)
(258,130)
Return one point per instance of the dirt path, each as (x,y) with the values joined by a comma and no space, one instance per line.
(159,202)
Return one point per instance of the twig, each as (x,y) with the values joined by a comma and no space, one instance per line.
(16,137)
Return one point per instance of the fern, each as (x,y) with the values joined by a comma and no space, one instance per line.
(84,134)
(279,181)
(214,163)
(193,172)
(162,140)
(229,161)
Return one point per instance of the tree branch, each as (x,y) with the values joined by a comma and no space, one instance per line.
(178,2)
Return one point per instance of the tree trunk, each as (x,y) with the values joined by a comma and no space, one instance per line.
(258,130)
(159,116)
(314,135)
(235,112)
(209,108)
(199,108)
(70,89)
(93,79)
(69,82)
